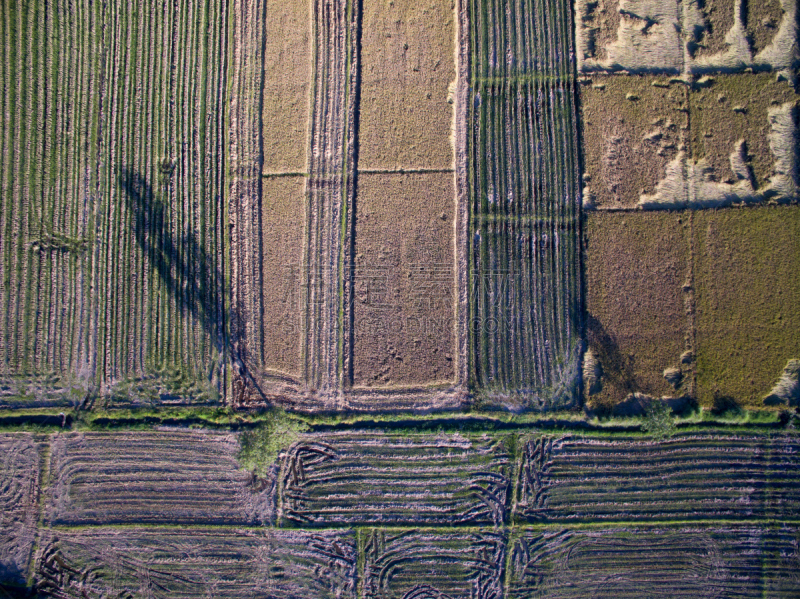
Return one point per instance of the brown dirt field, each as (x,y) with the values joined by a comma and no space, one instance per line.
(287,84)
(283,215)
(628,142)
(719,17)
(636,265)
(403,312)
(407,64)
(716,127)
(763,20)
(748,300)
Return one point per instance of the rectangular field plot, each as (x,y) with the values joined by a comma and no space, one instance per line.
(146,477)
(524,207)
(19,485)
(112,223)
(666,563)
(397,479)
(689,477)
(432,565)
(175,563)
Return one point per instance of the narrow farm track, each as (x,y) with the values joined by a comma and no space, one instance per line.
(113,199)
(154,478)
(699,477)
(524,201)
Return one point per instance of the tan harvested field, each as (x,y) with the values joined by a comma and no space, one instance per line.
(747,301)
(632,128)
(283,201)
(404,277)
(407,68)
(638,281)
(287,86)
(731,108)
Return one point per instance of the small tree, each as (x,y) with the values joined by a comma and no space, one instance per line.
(657,421)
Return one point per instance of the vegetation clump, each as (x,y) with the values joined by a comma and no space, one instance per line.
(657,420)
(259,447)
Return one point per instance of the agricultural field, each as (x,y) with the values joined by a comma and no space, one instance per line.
(399,299)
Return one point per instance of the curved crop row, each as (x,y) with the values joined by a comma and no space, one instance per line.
(398,479)
(422,565)
(178,563)
(163,477)
(663,562)
(703,476)
(19,478)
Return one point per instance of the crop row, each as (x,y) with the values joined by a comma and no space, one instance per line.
(19,480)
(720,561)
(524,201)
(112,214)
(143,477)
(688,477)
(419,479)
(177,563)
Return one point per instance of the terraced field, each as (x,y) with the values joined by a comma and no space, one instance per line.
(112,219)
(720,561)
(524,202)
(398,479)
(154,477)
(173,562)
(687,477)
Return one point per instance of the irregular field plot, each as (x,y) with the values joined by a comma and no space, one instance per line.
(631,130)
(162,477)
(19,491)
(432,565)
(190,563)
(636,320)
(702,476)
(719,561)
(398,479)
(748,301)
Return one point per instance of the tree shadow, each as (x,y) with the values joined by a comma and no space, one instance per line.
(188,271)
